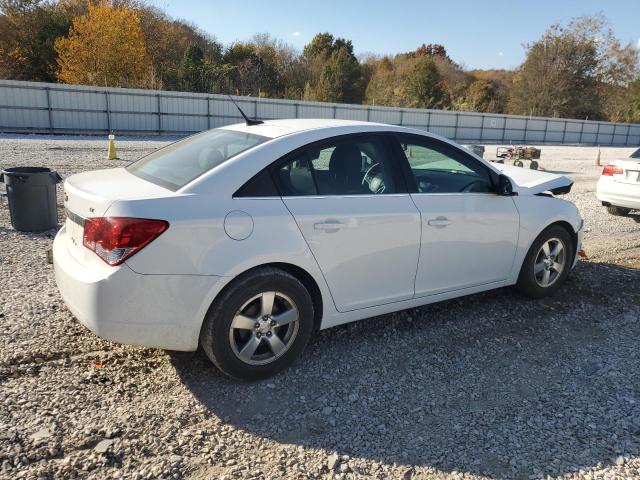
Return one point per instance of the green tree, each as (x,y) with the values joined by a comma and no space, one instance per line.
(577,71)
(424,88)
(335,75)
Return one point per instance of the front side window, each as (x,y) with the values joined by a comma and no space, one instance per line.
(441,168)
(181,162)
(346,166)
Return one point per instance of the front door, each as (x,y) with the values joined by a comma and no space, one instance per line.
(469,233)
(352,208)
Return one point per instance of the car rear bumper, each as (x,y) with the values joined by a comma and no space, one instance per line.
(118,304)
(618,193)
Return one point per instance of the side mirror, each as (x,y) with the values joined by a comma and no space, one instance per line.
(505,188)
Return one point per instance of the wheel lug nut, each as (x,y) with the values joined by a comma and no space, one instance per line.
(268,333)
(273,323)
(257,325)
(258,334)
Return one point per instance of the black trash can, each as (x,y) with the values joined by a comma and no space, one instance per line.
(32,197)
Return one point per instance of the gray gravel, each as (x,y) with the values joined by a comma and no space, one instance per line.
(489,386)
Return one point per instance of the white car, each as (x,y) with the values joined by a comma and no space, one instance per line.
(619,185)
(247,238)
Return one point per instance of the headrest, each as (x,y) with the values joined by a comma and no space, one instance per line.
(346,162)
(302,181)
(209,158)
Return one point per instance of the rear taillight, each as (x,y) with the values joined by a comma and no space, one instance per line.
(114,239)
(609,170)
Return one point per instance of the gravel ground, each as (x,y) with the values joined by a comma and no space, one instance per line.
(488,386)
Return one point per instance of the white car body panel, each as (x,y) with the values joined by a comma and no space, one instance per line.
(531,182)
(478,231)
(621,190)
(385,258)
(366,245)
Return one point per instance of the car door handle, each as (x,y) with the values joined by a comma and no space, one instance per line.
(439,222)
(329,226)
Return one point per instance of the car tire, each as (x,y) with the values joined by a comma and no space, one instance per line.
(518,163)
(540,274)
(228,339)
(534,165)
(618,211)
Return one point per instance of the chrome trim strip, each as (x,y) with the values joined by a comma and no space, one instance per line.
(74,217)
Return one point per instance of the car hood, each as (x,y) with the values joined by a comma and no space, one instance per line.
(532,182)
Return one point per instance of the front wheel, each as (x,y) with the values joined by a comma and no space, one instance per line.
(547,264)
(259,325)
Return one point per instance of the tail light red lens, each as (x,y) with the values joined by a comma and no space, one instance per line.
(114,239)
(610,170)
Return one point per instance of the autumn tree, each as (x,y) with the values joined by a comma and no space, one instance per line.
(481,96)
(424,87)
(106,46)
(167,41)
(28,29)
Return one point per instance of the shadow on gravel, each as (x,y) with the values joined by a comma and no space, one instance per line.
(491,384)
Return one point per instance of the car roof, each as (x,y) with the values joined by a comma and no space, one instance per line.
(279,128)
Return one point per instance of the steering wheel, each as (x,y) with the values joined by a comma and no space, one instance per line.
(374,179)
(469,186)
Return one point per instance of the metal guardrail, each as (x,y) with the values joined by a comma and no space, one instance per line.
(56,108)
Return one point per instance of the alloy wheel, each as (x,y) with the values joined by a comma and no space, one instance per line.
(264,328)
(550,262)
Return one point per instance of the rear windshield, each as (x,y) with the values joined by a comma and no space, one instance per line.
(177,164)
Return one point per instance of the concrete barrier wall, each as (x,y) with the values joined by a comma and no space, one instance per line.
(56,108)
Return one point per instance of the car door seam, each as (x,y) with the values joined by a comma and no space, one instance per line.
(311,252)
(415,276)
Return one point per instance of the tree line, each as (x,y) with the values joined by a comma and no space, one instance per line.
(579,70)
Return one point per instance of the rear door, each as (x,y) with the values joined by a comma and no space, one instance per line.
(352,207)
(469,233)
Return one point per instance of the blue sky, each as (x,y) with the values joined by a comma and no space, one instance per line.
(478,34)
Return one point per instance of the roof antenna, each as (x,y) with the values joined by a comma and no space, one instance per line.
(248,121)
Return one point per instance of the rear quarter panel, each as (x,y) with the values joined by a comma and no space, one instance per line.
(196,242)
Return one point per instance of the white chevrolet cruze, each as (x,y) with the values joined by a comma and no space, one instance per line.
(248,238)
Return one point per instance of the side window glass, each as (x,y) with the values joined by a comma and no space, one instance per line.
(352,166)
(294,177)
(440,169)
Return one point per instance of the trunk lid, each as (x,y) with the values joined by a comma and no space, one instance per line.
(90,194)
(533,182)
(630,171)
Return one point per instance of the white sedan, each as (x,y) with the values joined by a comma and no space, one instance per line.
(619,185)
(245,239)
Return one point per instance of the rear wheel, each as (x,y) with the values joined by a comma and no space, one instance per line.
(547,264)
(259,325)
(518,163)
(618,211)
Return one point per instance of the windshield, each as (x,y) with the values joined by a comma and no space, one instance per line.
(177,164)
(636,154)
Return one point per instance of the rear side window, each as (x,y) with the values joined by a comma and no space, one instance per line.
(177,164)
(295,178)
